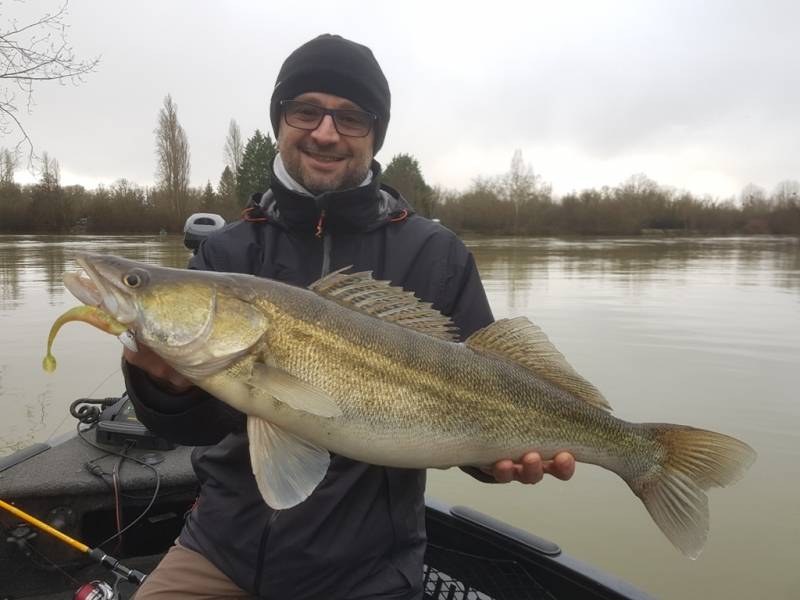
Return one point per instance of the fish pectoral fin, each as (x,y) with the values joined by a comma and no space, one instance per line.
(520,341)
(287,468)
(290,390)
(208,366)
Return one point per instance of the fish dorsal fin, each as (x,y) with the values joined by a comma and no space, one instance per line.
(524,343)
(359,291)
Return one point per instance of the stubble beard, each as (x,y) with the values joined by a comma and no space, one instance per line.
(319,183)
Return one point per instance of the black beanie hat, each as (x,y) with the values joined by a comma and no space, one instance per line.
(331,64)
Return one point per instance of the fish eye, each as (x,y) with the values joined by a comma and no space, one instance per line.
(135,278)
(132,280)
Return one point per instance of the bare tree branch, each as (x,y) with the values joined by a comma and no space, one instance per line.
(234,148)
(172,152)
(6,114)
(34,52)
(8,165)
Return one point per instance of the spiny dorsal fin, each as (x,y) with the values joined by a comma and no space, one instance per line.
(524,343)
(359,291)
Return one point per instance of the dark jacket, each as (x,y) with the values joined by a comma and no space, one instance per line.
(361,534)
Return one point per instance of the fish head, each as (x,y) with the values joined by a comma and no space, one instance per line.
(190,318)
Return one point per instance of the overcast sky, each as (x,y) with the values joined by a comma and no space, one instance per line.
(703,96)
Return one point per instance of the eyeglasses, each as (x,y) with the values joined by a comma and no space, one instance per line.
(348,122)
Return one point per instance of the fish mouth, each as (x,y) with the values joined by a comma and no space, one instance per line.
(83,287)
(93,288)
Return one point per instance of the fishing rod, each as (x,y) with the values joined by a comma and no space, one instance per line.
(88,591)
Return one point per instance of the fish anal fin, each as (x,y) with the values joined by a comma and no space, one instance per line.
(287,468)
(290,390)
(520,341)
(379,299)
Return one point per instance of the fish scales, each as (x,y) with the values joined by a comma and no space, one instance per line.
(359,368)
(441,392)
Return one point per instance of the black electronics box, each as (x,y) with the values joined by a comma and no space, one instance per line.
(118,426)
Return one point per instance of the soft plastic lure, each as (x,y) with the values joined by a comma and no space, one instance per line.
(94,316)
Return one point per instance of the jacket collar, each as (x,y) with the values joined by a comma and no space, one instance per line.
(356,209)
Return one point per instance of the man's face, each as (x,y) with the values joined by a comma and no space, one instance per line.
(323,160)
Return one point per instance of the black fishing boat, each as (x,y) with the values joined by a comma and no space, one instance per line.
(113,476)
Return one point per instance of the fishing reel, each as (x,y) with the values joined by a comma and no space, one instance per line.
(96,590)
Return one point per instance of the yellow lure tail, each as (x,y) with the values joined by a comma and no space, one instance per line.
(88,314)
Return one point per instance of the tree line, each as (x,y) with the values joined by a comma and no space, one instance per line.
(125,207)
(517,202)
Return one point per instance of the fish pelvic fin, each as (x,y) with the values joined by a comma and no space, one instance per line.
(692,461)
(524,343)
(287,468)
(379,299)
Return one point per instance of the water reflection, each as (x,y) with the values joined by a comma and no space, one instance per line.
(519,265)
(9,274)
(640,255)
(700,331)
(32,295)
(516,264)
(33,261)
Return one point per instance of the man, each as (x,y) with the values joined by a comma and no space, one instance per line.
(361,533)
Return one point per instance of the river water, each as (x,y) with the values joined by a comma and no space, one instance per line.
(700,331)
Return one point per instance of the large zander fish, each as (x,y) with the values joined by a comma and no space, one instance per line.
(359,368)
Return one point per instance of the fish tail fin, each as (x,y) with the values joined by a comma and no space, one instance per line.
(673,491)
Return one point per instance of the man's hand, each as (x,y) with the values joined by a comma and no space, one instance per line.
(163,375)
(532,468)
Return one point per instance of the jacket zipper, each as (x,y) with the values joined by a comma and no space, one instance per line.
(327,242)
(262,550)
(326,253)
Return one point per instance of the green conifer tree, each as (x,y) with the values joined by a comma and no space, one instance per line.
(403,174)
(253,175)
(226,192)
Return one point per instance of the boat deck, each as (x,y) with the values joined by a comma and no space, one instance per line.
(470,555)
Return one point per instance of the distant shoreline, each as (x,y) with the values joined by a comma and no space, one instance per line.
(644,233)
